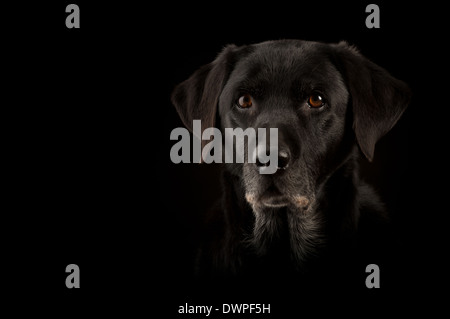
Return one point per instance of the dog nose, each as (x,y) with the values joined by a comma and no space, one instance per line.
(284,158)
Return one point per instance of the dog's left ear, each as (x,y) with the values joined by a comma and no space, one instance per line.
(378,99)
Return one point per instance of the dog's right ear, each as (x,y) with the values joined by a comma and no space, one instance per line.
(197,97)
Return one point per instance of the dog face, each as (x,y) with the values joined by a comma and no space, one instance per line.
(326,100)
(295,88)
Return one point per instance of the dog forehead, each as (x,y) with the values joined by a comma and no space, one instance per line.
(282,60)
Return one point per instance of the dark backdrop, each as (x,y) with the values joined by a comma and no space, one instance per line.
(92,179)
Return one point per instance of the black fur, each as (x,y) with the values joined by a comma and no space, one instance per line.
(327,213)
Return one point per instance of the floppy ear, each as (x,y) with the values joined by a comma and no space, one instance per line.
(378,99)
(196,98)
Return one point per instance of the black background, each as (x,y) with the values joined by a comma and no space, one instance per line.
(87,131)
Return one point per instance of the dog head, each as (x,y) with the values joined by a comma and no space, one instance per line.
(324,99)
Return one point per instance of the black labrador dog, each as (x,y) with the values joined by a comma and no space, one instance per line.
(330,105)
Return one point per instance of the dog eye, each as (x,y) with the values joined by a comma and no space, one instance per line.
(316,100)
(245,101)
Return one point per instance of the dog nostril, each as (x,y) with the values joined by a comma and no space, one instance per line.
(283,159)
(260,164)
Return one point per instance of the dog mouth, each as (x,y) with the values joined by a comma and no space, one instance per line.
(273,197)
